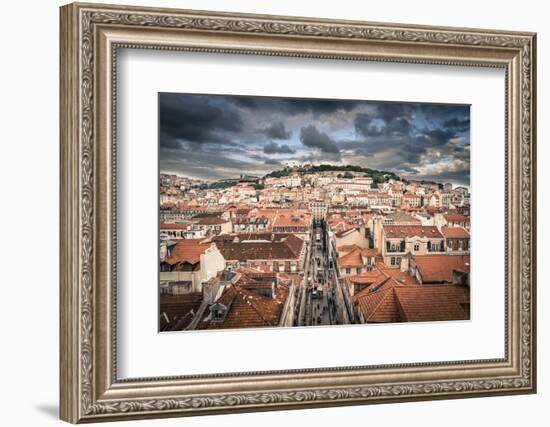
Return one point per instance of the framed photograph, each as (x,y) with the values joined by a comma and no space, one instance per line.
(267,212)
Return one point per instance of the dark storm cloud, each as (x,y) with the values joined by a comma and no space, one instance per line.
(458,124)
(292,106)
(440,113)
(214,136)
(403,137)
(196,119)
(274,148)
(313,138)
(368,125)
(437,136)
(276,131)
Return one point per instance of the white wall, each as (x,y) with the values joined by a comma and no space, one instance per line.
(29,171)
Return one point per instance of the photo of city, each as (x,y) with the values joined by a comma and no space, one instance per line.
(294,212)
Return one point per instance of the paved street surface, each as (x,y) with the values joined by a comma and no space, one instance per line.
(317,305)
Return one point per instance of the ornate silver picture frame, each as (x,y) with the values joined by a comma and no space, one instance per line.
(91,35)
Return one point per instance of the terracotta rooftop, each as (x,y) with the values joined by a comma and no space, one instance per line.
(289,221)
(211,220)
(354,258)
(394,302)
(379,305)
(243,211)
(289,248)
(190,207)
(270,213)
(248,309)
(431,303)
(340,226)
(207,215)
(455,232)
(401,276)
(174,225)
(346,249)
(455,217)
(397,217)
(403,231)
(187,250)
(179,310)
(439,268)
(374,278)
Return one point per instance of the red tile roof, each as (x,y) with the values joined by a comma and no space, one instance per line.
(190,207)
(289,221)
(354,258)
(400,217)
(340,225)
(379,305)
(270,213)
(431,303)
(394,302)
(346,249)
(174,225)
(439,268)
(243,211)
(211,221)
(287,249)
(403,231)
(400,276)
(187,250)
(179,309)
(370,278)
(455,217)
(455,233)
(248,309)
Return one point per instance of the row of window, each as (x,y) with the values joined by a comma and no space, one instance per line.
(358,270)
(400,247)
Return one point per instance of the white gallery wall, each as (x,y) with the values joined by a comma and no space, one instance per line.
(29,170)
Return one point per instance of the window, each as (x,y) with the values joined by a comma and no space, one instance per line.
(416,247)
(348,270)
(395,260)
(358,270)
(395,247)
(218,311)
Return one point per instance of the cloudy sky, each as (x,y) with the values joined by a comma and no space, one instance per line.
(219,136)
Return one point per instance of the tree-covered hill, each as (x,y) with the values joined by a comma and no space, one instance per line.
(376,175)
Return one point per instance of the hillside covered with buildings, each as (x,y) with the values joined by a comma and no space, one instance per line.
(309,245)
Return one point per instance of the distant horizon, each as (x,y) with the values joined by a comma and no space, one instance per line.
(182,175)
(213,137)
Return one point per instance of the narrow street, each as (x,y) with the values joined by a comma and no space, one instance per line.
(317,303)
